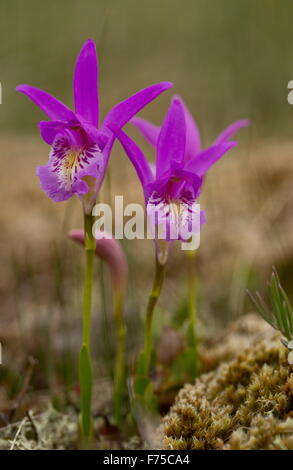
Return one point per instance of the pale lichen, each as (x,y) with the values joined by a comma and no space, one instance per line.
(49,430)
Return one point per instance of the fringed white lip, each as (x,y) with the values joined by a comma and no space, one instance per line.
(174,219)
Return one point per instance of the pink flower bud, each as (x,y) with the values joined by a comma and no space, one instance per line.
(109,250)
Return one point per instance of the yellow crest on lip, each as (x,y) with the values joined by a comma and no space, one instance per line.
(70,163)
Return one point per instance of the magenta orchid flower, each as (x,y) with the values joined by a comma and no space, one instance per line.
(175,183)
(179,172)
(202,159)
(80,150)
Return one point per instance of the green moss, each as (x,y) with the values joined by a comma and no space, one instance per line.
(246,403)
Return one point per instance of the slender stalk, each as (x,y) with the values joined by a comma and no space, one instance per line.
(153,298)
(120,363)
(85,364)
(87,299)
(105,321)
(192,310)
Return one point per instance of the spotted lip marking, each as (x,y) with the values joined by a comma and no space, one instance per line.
(67,162)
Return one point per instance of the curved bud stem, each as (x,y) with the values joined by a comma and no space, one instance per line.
(110,251)
(85,363)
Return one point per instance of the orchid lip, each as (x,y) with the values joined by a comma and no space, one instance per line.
(70,168)
(172,219)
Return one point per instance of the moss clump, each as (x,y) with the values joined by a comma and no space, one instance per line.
(238,336)
(244,404)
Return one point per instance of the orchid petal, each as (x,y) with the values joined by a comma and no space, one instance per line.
(230,131)
(135,155)
(171,142)
(193,141)
(86,84)
(92,132)
(54,108)
(204,160)
(149,131)
(124,111)
(49,130)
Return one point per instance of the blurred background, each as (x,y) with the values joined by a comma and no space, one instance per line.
(229,60)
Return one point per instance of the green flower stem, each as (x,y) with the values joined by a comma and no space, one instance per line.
(153,298)
(85,366)
(192,310)
(120,363)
